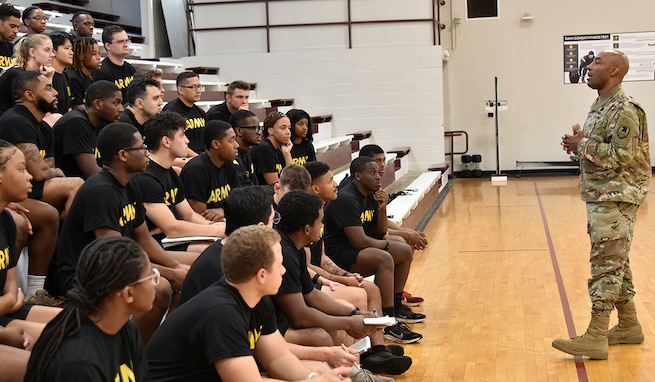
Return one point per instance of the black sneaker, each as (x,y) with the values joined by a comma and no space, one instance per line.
(401,333)
(406,316)
(386,363)
(395,349)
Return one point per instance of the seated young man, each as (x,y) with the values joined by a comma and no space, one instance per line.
(325,187)
(109,203)
(248,134)
(22,125)
(168,213)
(218,335)
(143,101)
(244,206)
(355,225)
(76,132)
(305,313)
(209,177)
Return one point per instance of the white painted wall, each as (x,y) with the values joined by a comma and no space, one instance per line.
(394,91)
(390,82)
(527,58)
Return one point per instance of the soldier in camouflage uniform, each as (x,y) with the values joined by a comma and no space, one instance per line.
(615,174)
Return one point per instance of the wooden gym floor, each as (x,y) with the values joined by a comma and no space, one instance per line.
(505,273)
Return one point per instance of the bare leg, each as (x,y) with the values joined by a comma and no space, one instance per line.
(31,329)
(149,321)
(402,258)
(59,192)
(309,337)
(45,225)
(373,261)
(13,363)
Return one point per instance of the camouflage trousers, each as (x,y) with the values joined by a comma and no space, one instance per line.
(610,226)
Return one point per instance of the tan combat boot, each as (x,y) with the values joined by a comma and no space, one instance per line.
(628,331)
(592,344)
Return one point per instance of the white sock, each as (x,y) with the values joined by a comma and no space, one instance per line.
(34,283)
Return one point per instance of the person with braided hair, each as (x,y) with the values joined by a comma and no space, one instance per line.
(86,57)
(93,338)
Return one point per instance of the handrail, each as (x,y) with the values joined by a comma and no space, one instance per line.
(434,20)
(452,153)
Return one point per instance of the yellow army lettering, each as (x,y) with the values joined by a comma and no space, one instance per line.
(42,153)
(170,197)
(5,61)
(219,194)
(195,123)
(278,167)
(96,153)
(4,259)
(301,160)
(122,83)
(253,336)
(125,374)
(367,216)
(129,214)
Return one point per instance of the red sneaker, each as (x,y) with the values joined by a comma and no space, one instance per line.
(409,300)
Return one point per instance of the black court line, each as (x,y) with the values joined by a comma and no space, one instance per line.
(579,364)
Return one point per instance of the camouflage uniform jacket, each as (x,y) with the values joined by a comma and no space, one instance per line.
(614,153)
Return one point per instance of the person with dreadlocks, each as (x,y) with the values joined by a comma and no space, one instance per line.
(93,338)
(86,57)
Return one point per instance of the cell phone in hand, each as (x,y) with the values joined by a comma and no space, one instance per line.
(363,345)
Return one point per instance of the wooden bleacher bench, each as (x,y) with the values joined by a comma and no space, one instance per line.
(204,70)
(331,143)
(358,137)
(401,207)
(65,8)
(281,102)
(75,2)
(443,167)
(101,19)
(321,119)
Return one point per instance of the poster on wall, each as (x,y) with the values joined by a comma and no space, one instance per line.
(580,51)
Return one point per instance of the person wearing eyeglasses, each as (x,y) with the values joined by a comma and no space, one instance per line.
(76,132)
(110,204)
(188,93)
(248,134)
(168,213)
(9,24)
(35,20)
(114,67)
(210,177)
(236,98)
(93,339)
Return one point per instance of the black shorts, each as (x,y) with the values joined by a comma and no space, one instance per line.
(21,314)
(37,190)
(344,256)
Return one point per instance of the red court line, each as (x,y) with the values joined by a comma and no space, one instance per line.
(579,364)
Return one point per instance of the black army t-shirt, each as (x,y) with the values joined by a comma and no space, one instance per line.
(78,85)
(266,158)
(8,256)
(93,355)
(303,152)
(245,169)
(101,202)
(160,185)
(61,83)
(205,182)
(215,325)
(121,75)
(74,134)
(195,122)
(206,270)
(18,125)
